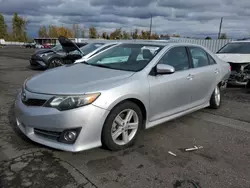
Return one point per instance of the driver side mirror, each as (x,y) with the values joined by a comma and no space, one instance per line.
(164,69)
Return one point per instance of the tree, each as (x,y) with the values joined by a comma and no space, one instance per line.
(117,34)
(92,32)
(145,34)
(42,32)
(19,25)
(176,35)
(64,31)
(52,31)
(125,35)
(208,38)
(155,36)
(135,34)
(83,33)
(76,29)
(104,35)
(223,36)
(3,28)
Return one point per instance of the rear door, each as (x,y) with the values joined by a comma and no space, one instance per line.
(205,75)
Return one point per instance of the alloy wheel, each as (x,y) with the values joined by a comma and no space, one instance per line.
(124,127)
(217,96)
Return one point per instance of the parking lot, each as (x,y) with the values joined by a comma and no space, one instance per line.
(224,160)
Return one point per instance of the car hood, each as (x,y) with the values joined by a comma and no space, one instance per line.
(234,58)
(68,45)
(76,79)
(42,51)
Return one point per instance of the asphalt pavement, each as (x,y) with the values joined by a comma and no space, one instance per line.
(223,162)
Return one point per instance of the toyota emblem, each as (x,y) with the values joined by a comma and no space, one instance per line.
(24,98)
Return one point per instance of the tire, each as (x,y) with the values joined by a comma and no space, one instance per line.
(215,100)
(111,127)
(248,86)
(53,63)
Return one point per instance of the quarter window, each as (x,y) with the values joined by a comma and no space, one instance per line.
(199,57)
(176,57)
(211,60)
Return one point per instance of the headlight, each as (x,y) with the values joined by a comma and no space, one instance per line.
(70,102)
(42,55)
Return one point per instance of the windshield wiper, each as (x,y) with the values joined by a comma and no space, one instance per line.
(85,62)
(101,65)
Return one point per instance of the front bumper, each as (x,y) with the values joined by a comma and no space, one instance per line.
(37,62)
(49,120)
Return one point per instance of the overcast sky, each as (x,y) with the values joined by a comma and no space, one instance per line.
(198,18)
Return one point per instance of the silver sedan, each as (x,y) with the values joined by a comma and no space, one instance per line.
(109,98)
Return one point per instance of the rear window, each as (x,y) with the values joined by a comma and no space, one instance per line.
(236,48)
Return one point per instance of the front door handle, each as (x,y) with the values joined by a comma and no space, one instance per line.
(190,77)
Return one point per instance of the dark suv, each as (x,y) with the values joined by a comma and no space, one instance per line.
(48,58)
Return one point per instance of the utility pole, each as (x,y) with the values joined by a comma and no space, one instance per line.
(220,27)
(150,27)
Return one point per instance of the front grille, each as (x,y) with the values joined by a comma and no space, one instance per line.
(54,135)
(34,102)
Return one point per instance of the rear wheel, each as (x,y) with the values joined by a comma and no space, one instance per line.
(55,62)
(215,100)
(122,126)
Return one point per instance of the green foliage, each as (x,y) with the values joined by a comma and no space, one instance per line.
(19,26)
(117,34)
(223,36)
(42,32)
(208,38)
(135,34)
(92,32)
(3,28)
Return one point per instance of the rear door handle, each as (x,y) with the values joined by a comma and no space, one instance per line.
(190,77)
(216,71)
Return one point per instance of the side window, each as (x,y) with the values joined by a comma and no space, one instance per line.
(176,57)
(199,56)
(211,60)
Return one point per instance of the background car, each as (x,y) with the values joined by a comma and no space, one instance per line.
(93,47)
(49,58)
(30,45)
(237,54)
(109,98)
(96,51)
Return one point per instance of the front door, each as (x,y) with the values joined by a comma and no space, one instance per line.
(171,93)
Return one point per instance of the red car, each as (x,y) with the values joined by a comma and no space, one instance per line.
(46,46)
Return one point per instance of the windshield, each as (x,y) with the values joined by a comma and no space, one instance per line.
(57,48)
(90,47)
(128,57)
(236,48)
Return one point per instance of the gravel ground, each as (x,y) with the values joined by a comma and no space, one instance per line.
(223,162)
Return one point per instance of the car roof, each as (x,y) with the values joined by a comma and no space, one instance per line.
(240,41)
(158,43)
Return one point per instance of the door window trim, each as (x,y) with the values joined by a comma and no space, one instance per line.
(191,59)
(189,62)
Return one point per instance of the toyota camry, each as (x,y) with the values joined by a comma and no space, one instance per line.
(108,99)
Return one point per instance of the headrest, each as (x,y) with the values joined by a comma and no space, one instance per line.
(147,54)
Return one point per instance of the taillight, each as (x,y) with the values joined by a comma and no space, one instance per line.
(230,67)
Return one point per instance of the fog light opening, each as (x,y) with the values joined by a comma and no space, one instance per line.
(70,136)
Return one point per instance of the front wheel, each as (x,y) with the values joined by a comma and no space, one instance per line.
(122,126)
(55,62)
(215,100)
